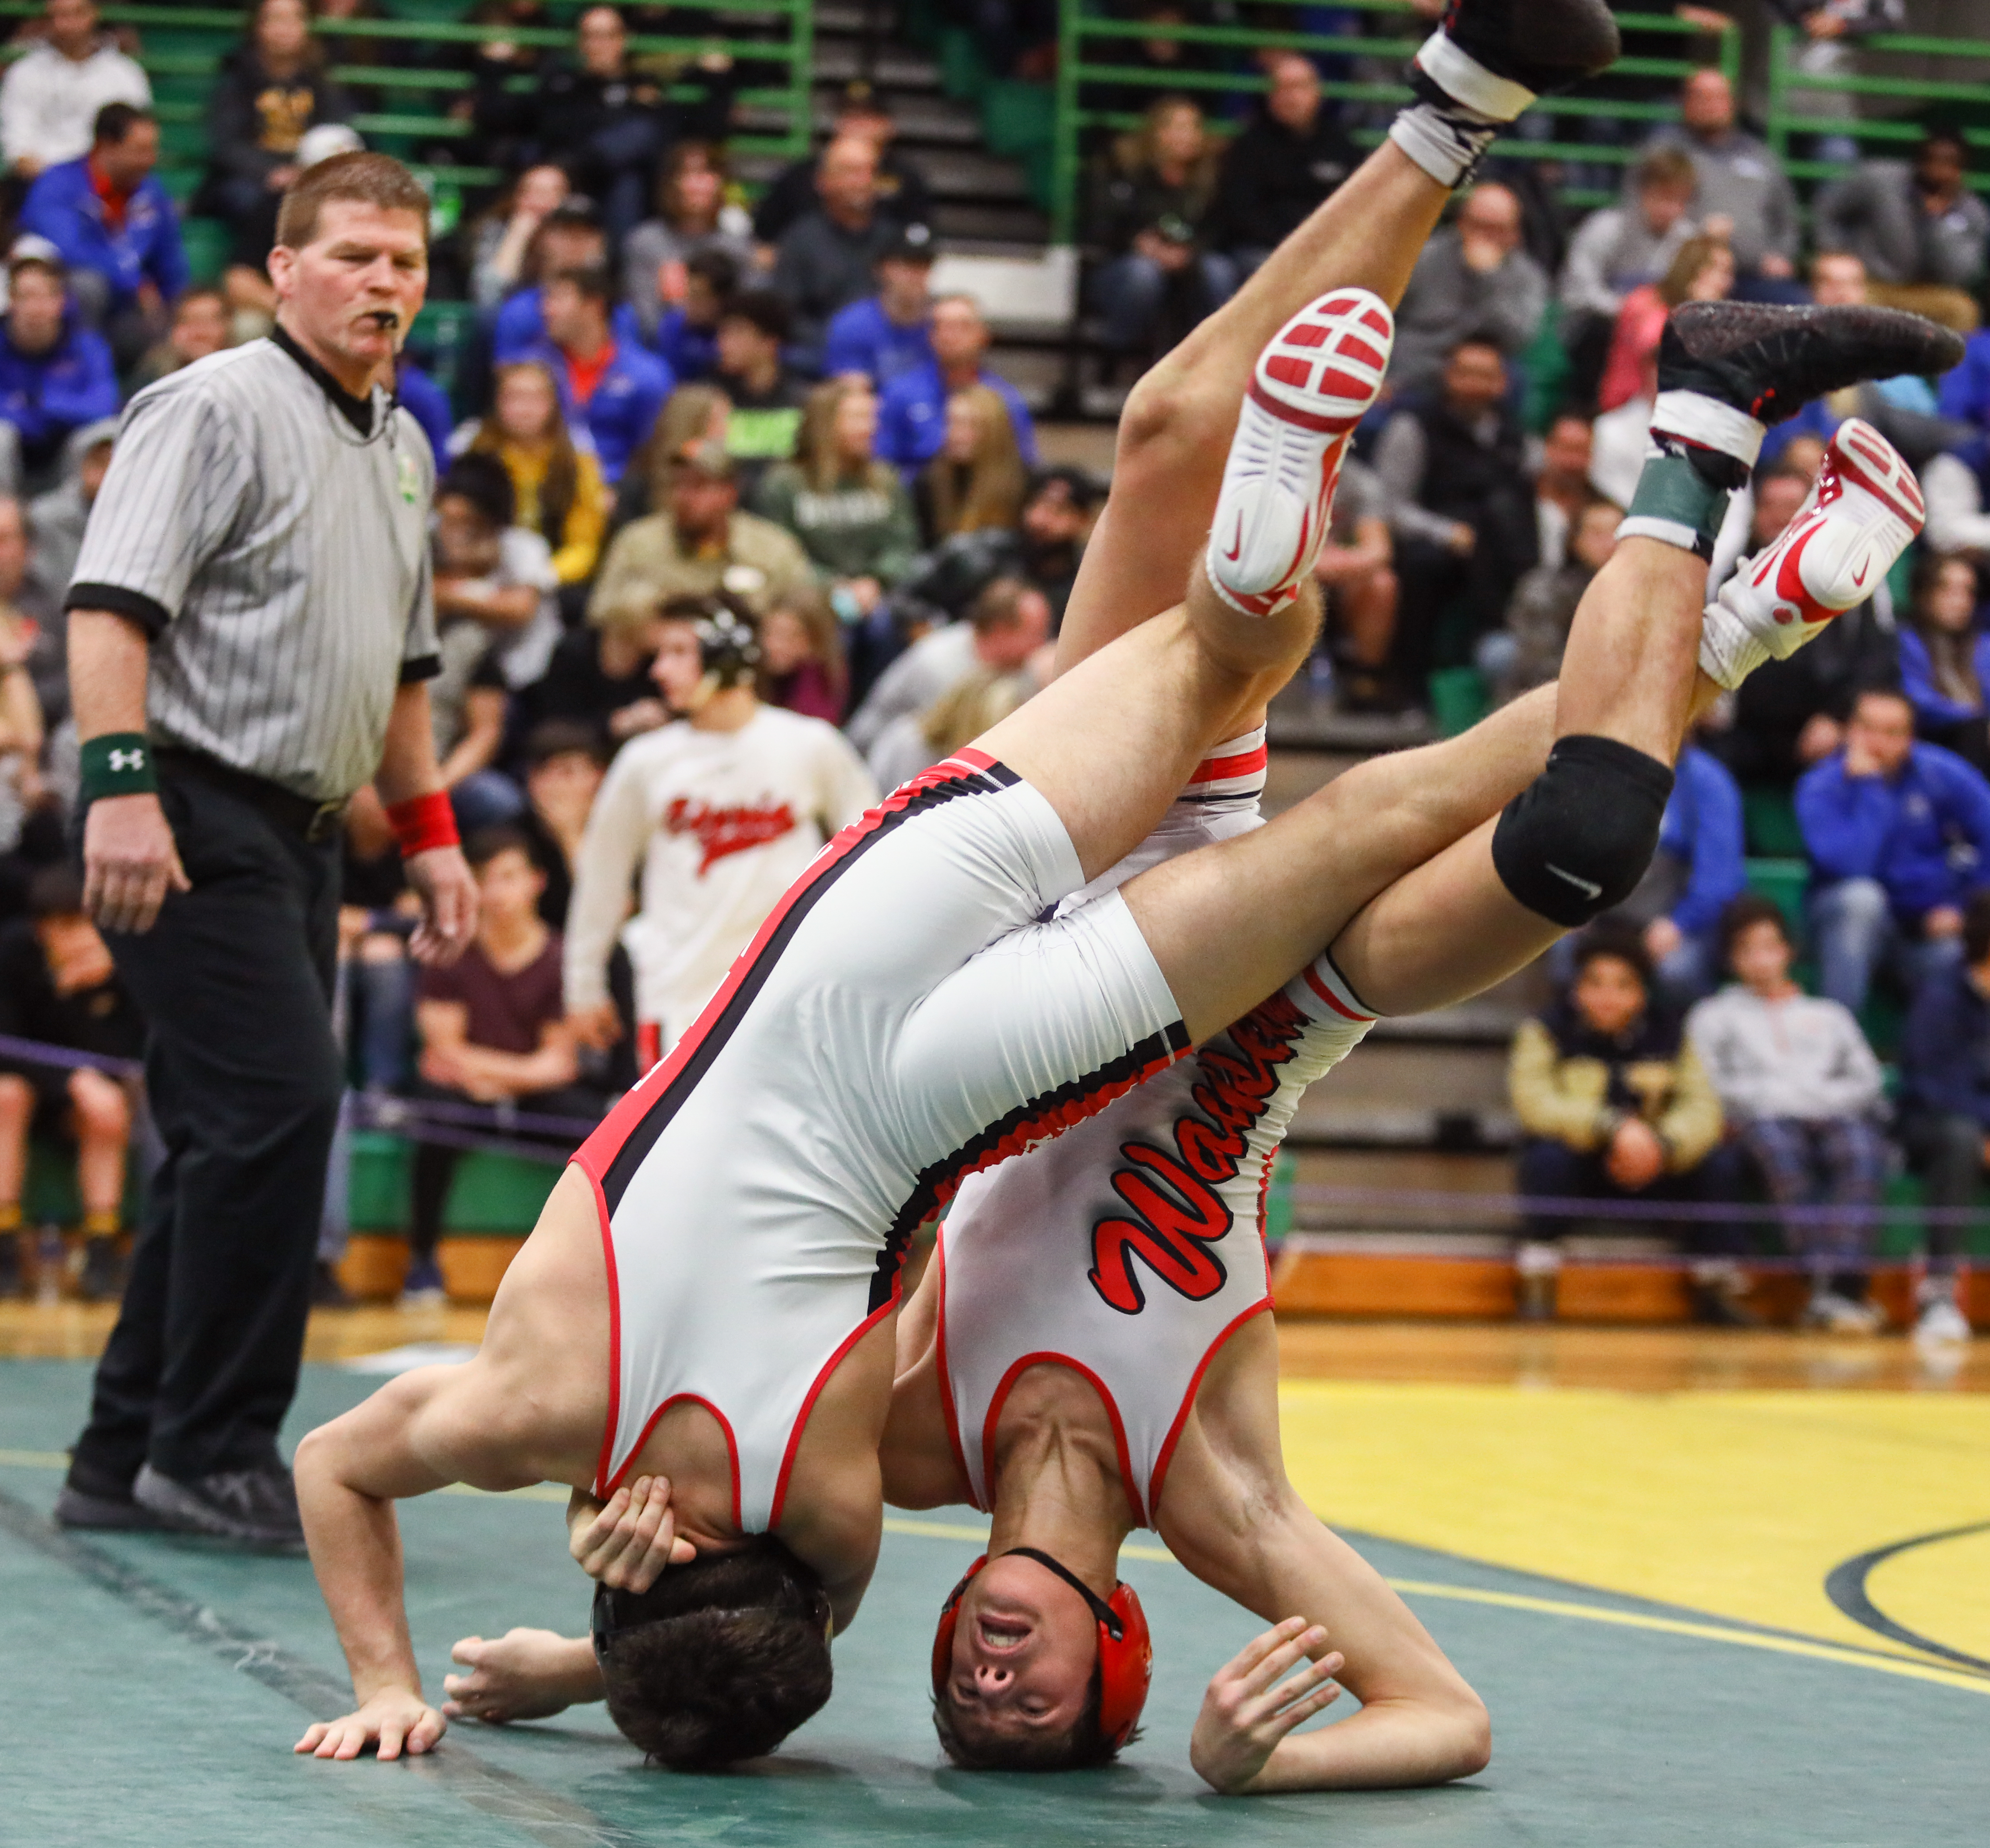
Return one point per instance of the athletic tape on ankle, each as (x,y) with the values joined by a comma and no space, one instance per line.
(1445,144)
(1461,76)
(1693,418)
(1676,504)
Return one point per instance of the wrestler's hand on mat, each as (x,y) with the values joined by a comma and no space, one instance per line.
(1249,1707)
(395,1720)
(630,1538)
(524,1674)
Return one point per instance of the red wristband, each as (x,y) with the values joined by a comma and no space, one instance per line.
(423,821)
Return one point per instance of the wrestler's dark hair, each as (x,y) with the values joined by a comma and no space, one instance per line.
(975,1747)
(727,1656)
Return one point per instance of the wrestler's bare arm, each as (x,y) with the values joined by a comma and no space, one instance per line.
(1230,1515)
(917,1455)
(418,1433)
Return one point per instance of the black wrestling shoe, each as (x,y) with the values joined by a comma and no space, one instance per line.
(1770,362)
(101,1278)
(98,1503)
(252,1507)
(1542,45)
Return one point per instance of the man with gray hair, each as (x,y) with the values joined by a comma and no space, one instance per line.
(1473,281)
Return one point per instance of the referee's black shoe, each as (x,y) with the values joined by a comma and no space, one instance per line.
(1770,362)
(100,1504)
(255,1508)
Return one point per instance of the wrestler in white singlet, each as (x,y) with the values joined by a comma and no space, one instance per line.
(1131,1247)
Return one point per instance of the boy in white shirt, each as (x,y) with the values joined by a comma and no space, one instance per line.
(721,809)
(1794,1071)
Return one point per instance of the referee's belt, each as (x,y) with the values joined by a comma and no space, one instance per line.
(294,814)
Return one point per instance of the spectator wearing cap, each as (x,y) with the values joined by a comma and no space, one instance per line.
(613,388)
(1898,834)
(56,375)
(1291,157)
(271,91)
(1473,281)
(850,510)
(1921,232)
(1618,249)
(767,399)
(902,189)
(607,121)
(912,408)
(51,95)
(694,218)
(1150,211)
(115,229)
(1740,189)
(570,238)
(699,544)
(885,334)
(825,260)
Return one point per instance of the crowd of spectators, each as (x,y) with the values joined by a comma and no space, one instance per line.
(682,412)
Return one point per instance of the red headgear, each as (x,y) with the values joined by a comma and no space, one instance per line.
(1126,1651)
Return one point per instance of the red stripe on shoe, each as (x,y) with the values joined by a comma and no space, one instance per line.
(1304,420)
(1351,348)
(1289,371)
(1850,463)
(1307,333)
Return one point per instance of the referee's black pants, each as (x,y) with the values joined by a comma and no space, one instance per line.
(243,1076)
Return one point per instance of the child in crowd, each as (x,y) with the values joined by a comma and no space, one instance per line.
(494,1032)
(57,986)
(1801,1089)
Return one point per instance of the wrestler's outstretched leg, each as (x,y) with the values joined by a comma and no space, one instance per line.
(1572,840)
(1479,73)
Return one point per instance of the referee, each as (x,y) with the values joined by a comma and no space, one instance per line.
(250,634)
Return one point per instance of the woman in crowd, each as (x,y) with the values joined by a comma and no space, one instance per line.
(1153,198)
(977,481)
(850,510)
(693,214)
(801,657)
(505,235)
(271,90)
(1703,271)
(1945,659)
(691,413)
(1800,1088)
(560,494)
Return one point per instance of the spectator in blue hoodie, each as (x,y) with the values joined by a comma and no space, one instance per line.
(116,229)
(1945,1108)
(911,410)
(687,338)
(55,374)
(885,334)
(1898,834)
(1945,659)
(428,403)
(612,385)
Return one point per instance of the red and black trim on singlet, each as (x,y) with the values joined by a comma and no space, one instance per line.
(611,1155)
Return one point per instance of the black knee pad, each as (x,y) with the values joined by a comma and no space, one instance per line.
(1576,841)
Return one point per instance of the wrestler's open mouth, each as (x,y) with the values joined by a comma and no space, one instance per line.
(1003,1633)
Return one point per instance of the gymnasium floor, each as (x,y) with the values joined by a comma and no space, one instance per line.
(1648,1550)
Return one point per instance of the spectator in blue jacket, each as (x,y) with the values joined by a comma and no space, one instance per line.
(116,229)
(1945,659)
(429,404)
(1966,392)
(885,334)
(1945,1109)
(55,374)
(1898,834)
(911,411)
(686,337)
(610,385)
(570,237)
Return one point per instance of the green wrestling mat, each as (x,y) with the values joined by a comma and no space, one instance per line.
(153,1688)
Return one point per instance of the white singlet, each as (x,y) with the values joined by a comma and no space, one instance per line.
(1131,1248)
(723,823)
(910,1012)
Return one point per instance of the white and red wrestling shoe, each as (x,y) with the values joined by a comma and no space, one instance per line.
(1312,386)
(1863,511)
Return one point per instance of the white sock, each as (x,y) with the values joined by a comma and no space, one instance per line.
(1463,107)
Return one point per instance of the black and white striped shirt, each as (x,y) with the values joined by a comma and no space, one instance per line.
(270,533)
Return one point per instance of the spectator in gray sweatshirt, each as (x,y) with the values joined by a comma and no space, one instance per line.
(1801,1089)
(1618,249)
(1919,230)
(1742,189)
(1472,282)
